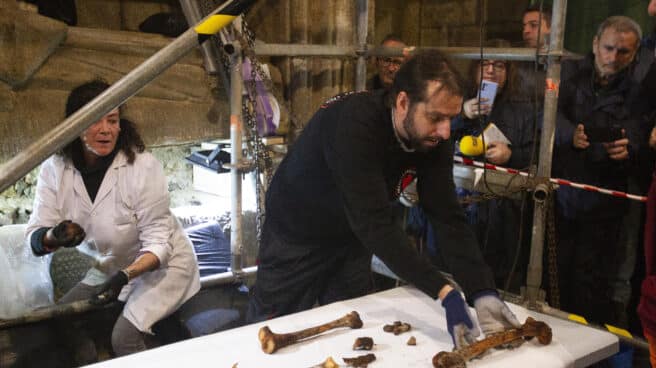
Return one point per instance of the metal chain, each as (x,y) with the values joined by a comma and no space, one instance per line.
(552,256)
(259,152)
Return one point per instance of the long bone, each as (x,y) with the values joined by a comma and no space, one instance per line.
(271,342)
(458,358)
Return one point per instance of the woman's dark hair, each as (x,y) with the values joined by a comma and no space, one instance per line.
(510,88)
(129,141)
(414,75)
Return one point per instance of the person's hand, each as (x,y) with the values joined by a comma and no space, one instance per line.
(619,149)
(110,290)
(472,108)
(498,153)
(652,138)
(580,140)
(458,321)
(493,314)
(65,234)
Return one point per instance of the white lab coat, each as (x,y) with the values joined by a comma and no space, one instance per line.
(130,215)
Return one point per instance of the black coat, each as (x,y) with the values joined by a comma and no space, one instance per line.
(582,102)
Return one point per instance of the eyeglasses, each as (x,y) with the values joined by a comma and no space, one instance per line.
(497,65)
(388,61)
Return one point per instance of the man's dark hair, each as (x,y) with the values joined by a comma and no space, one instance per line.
(129,141)
(546,12)
(425,66)
(392,37)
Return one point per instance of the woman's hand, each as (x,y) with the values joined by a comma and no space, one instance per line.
(472,108)
(498,153)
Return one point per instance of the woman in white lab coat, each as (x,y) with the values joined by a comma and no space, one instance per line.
(105,189)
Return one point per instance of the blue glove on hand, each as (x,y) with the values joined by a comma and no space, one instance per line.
(493,314)
(458,320)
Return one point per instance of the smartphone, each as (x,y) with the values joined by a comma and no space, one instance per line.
(489,91)
(597,134)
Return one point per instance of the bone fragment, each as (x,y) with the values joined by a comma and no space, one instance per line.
(360,361)
(363,343)
(397,327)
(270,342)
(459,357)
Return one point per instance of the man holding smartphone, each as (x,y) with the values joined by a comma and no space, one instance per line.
(597,143)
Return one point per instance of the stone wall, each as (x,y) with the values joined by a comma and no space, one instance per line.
(449,22)
(16,201)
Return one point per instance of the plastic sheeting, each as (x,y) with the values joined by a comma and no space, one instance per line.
(25,283)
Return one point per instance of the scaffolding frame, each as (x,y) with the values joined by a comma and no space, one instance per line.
(17,167)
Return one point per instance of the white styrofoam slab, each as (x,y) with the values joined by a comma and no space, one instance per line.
(573,345)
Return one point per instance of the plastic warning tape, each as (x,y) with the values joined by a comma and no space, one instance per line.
(563,182)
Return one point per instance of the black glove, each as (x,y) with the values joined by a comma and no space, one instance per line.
(66,234)
(110,290)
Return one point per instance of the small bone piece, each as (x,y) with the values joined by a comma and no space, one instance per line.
(328,363)
(397,327)
(271,342)
(360,361)
(363,343)
(412,341)
(458,358)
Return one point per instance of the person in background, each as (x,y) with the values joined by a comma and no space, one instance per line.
(596,94)
(386,67)
(536,26)
(498,221)
(536,29)
(103,188)
(647,305)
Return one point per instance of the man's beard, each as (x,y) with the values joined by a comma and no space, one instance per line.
(414,140)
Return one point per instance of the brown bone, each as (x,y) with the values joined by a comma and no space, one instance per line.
(458,358)
(272,341)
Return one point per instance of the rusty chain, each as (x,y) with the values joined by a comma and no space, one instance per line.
(257,151)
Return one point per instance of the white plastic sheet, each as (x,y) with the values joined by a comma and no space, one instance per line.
(25,283)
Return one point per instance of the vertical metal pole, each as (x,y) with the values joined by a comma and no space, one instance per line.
(236,90)
(362,7)
(534,274)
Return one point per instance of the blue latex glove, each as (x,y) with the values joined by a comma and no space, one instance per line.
(493,314)
(458,320)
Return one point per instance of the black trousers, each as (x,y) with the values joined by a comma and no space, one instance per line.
(588,257)
(295,277)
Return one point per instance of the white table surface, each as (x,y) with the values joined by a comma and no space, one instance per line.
(573,345)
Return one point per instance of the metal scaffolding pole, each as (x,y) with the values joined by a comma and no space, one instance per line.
(21,164)
(362,7)
(236,91)
(540,194)
(472,53)
(211,53)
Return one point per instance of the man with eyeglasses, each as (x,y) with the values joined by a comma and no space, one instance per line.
(386,66)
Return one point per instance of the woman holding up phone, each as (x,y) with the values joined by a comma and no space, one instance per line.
(497,222)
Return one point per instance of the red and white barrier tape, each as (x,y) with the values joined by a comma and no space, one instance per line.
(590,188)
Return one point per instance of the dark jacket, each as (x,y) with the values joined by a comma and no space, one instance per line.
(582,102)
(337,185)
